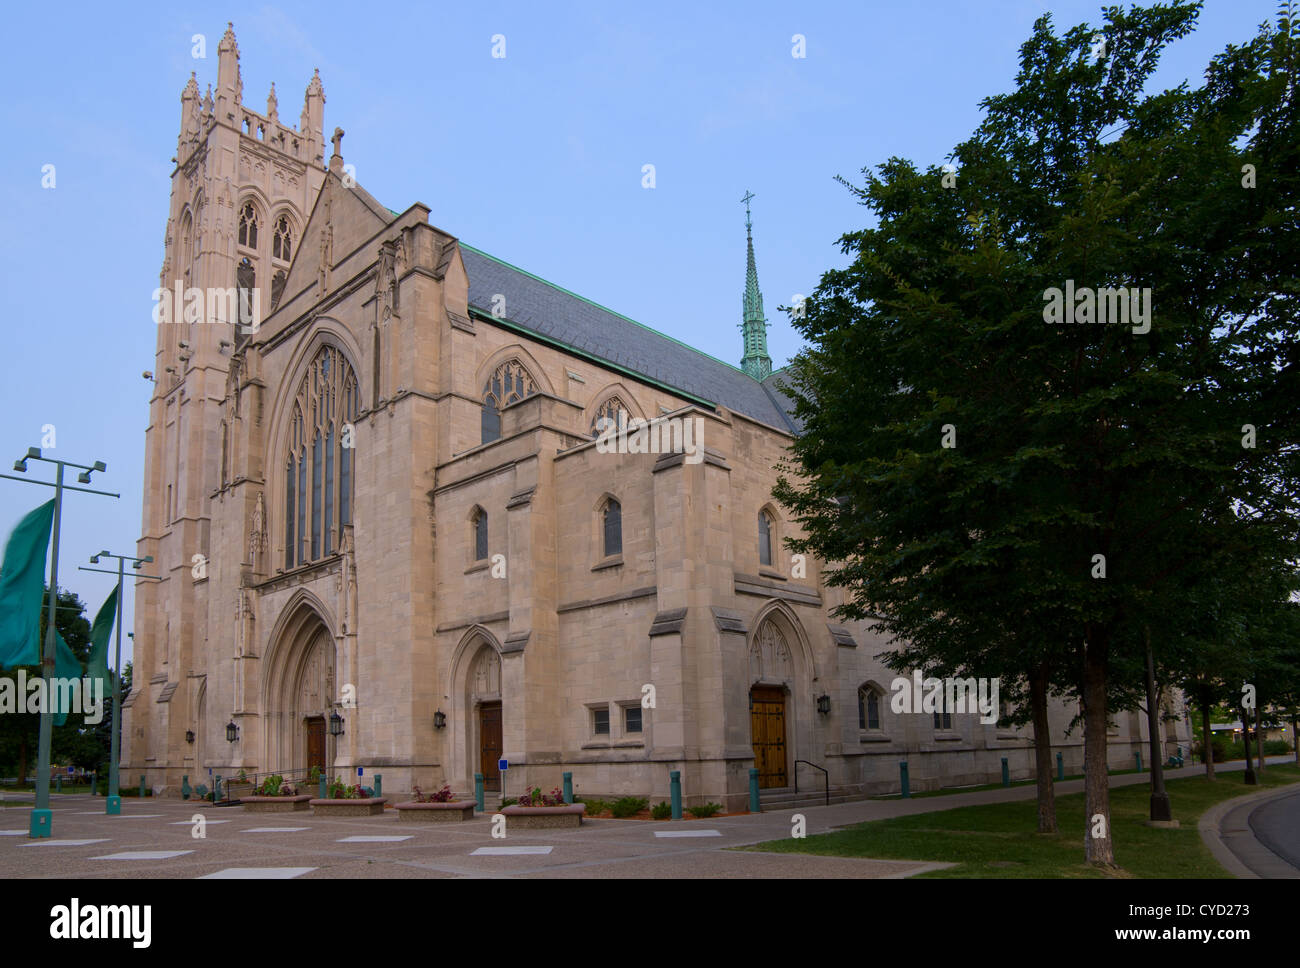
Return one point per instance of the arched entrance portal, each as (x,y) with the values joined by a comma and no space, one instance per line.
(771,672)
(484,703)
(300,694)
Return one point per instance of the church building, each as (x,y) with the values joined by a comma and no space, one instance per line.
(407,519)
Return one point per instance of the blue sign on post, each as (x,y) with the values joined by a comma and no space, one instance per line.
(69,771)
(502,765)
(358,771)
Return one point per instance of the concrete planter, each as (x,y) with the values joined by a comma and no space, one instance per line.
(453,811)
(276,804)
(536,818)
(348,808)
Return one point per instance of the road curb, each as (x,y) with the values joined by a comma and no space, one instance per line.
(1212,819)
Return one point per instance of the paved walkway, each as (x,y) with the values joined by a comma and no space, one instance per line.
(155,839)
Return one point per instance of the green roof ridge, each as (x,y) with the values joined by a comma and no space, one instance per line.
(612,312)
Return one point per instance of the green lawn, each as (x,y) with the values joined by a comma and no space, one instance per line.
(998,840)
(949,791)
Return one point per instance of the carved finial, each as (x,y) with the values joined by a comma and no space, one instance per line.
(314,86)
(228,41)
(191,87)
(272,105)
(338,144)
(207,101)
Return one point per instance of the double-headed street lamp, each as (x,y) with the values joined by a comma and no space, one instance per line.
(42,819)
(113,805)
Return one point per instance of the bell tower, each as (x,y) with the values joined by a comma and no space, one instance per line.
(242,188)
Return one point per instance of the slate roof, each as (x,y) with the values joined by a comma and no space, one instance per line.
(537,306)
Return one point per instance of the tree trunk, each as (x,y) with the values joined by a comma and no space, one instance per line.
(1250,778)
(1042,751)
(1295,738)
(1159,798)
(1100,847)
(1207,746)
(1259,736)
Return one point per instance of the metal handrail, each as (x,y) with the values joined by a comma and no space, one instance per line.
(826,778)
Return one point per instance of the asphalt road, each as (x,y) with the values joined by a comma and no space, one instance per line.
(1276,825)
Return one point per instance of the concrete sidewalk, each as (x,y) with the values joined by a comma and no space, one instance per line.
(154,839)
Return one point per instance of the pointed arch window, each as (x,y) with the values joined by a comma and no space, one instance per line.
(248,226)
(281,239)
(613,413)
(479,522)
(322,435)
(868,708)
(765,523)
(508,383)
(612,517)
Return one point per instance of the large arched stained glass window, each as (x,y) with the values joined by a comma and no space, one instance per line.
(509,382)
(322,434)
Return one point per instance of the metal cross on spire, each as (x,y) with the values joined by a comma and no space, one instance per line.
(748,196)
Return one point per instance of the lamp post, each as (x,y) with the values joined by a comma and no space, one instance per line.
(42,818)
(113,805)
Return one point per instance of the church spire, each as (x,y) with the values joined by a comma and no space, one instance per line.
(755,362)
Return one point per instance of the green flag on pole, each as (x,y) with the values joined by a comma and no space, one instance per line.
(66,666)
(97,667)
(22,586)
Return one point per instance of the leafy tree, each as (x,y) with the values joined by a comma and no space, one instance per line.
(979,473)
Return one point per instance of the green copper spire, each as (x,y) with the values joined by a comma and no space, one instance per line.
(755,362)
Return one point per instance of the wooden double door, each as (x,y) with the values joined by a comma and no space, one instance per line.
(489,741)
(767,727)
(316,742)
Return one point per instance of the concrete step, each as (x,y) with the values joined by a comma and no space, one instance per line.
(785,799)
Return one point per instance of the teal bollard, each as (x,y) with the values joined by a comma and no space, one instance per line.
(58,783)
(902,772)
(478,793)
(675,792)
(94,784)
(379,784)
(141,786)
(113,806)
(1060,767)
(185,787)
(754,805)
(322,791)
(1138,756)
(1006,773)
(216,788)
(568,787)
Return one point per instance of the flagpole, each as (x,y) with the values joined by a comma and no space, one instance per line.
(113,804)
(42,818)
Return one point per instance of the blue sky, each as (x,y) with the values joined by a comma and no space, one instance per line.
(535,158)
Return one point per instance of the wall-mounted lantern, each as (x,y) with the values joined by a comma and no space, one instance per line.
(336,724)
(232,732)
(439,719)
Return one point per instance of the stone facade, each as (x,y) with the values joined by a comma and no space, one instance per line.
(378,604)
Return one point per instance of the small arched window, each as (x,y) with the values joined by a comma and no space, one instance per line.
(764,538)
(868,708)
(508,383)
(282,239)
(479,521)
(248,226)
(613,528)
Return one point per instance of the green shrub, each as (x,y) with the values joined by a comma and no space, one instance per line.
(1276,747)
(594,806)
(661,811)
(627,806)
(708,810)
(509,802)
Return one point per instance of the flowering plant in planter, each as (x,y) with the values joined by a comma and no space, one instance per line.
(539,799)
(338,790)
(438,796)
(274,786)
